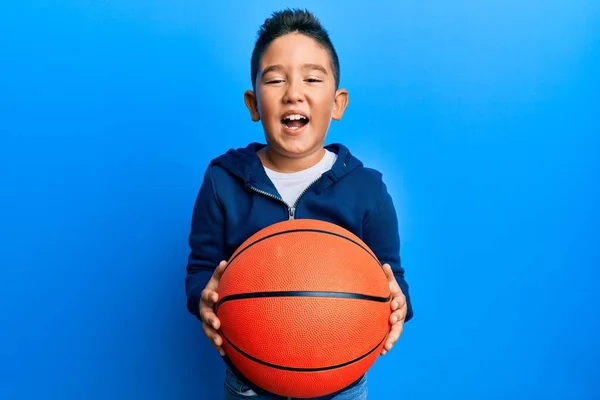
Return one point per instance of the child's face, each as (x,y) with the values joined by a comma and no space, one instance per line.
(295,77)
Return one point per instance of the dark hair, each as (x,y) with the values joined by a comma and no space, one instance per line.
(288,21)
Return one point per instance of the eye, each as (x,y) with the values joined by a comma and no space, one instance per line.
(313,80)
(273,81)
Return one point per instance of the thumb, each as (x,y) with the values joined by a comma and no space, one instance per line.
(387,269)
(213,283)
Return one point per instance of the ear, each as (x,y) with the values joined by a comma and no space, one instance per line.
(252,105)
(340,104)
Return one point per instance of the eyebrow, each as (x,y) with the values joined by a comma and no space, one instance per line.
(278,67)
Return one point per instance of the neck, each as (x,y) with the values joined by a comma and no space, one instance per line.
(285,164)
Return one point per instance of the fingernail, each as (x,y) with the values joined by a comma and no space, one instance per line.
(215,340)
(383,353)
(222,353)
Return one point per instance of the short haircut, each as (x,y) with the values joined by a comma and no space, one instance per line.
(292,21)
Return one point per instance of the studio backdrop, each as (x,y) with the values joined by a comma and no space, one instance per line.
(481,115)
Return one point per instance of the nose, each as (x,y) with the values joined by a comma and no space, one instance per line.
(293,92)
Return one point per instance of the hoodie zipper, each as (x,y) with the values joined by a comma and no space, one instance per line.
(292,209)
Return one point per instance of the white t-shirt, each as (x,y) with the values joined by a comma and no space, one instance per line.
(291,185)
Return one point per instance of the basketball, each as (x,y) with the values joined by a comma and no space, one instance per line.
(304,308)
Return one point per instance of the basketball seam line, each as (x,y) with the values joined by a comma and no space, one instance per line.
(297,369)
(342,295)
(299,230)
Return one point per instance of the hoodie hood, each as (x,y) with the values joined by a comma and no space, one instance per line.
(245,164)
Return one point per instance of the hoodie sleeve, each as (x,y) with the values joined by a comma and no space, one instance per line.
(206,242)
(380,233)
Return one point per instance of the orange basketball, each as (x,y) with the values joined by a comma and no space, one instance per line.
(304,308)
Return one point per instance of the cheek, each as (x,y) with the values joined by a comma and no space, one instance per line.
(324,111)
(266,110)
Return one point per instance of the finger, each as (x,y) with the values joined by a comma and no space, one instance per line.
(393,337)
(398,316)
(213,282)
(389,274)
(385,345)
(399,300)
(214,322)
(219,270)
(387,269)
(209,317)
(402,313)
(388,345)
(206,308)
(215,339)
(209,296)
(209,332)
(218,344)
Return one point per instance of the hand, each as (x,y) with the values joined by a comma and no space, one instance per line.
(399,309)
(210,322)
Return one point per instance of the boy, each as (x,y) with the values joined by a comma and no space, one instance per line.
(295,80)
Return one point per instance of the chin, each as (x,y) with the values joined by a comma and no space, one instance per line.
(299,149)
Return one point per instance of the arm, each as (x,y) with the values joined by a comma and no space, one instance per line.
(206,241)
(380,233)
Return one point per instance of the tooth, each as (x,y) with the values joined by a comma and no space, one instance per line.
(294,117)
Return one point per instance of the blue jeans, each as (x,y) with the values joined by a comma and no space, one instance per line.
(235,389)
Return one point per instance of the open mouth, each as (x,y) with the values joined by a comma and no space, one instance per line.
(294,121)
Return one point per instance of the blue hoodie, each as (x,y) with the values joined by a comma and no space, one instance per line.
(237,199)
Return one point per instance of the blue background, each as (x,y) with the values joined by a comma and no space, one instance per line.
(482,115)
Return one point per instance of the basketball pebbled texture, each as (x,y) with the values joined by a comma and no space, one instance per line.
(304,308)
